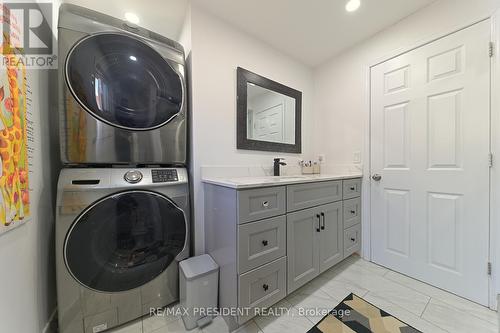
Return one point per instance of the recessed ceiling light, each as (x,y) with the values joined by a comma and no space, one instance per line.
(132,18)
(133,58)
(352,5)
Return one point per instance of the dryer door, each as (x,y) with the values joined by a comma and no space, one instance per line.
(123,82)
(124,240)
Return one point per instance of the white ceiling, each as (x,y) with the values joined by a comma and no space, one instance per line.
(165,17)
(311,31)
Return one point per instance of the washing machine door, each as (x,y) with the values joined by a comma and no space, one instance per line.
(124,240)
(123,82)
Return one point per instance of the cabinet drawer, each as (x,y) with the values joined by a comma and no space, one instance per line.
(263,286)
(352,212)
(313,194)
(351,188)
(352,240)
(260,203)
(261,242)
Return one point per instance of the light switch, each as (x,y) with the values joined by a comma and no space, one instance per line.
(356,157)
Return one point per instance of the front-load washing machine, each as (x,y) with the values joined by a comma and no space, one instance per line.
(120,234)
(122,92)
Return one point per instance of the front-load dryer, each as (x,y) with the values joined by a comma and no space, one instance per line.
(120,234)
(122,92)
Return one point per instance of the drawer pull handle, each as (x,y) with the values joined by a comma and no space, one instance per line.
(319,222)
(265,204)
(264,242)
(323,224)
(353,212)
(352,188)
(353,239)
(265,286)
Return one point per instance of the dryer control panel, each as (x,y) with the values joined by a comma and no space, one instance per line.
(164,175)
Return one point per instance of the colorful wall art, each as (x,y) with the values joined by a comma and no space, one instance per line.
(14,177)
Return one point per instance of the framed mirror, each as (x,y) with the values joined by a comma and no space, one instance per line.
(268,114)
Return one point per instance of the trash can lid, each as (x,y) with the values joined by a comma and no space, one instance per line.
(197,266)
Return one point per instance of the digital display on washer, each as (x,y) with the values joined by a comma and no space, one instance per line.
(164,175)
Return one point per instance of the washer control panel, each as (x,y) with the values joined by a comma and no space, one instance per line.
(133,176)
(164,175)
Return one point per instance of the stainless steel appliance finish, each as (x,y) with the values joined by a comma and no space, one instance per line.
(122,92)
(118,244)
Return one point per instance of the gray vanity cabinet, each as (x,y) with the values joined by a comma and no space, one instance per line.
(271,240)
(307,195)
(314,242)
(330,236)
(302,247)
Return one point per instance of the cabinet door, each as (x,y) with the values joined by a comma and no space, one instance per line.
(302,247)
(331,249)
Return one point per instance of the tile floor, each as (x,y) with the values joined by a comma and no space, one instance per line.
(424,307)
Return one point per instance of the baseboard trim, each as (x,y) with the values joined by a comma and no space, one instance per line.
(50,323)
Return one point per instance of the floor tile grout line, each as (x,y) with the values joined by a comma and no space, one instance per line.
(441,300)
(295,307)
(390,301)
(372,272)
(425,308)
(440,290)
(411,313)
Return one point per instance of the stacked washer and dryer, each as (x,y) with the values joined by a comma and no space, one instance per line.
(122,219)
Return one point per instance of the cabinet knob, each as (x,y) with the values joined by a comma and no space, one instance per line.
(265,286)
(264,242)
(376,177)
(265,204)
(353,239)
(353,212)
(352,188)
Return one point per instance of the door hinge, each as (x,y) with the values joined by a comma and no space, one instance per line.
(489,268)
(490,160)
(491,49)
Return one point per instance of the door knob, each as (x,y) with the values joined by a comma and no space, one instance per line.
(376,177)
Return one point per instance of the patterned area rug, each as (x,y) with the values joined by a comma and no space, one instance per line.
(355,315)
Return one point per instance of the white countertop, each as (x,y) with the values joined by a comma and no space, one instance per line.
(265,181)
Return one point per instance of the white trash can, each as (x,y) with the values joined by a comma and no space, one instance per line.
(199,282)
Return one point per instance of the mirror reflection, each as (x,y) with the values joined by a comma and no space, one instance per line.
(270,115)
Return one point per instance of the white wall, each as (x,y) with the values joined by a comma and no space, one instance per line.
(217,50)
(27,279)
(340,84)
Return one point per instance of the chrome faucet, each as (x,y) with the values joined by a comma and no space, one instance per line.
(277,163)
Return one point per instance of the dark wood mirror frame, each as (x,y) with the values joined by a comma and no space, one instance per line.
(243,77)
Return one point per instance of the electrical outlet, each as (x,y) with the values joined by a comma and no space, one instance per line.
(356,157)
(322,158)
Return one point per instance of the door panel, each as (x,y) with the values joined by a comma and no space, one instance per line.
(302,247)
(430,143)
(269,124)
(331,236)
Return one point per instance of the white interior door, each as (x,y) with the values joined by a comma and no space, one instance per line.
(430,123)
(268,123)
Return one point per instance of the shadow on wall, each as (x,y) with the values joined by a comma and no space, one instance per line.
(27,282)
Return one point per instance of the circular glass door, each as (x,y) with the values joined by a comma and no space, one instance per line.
(124,241)
(123,82)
